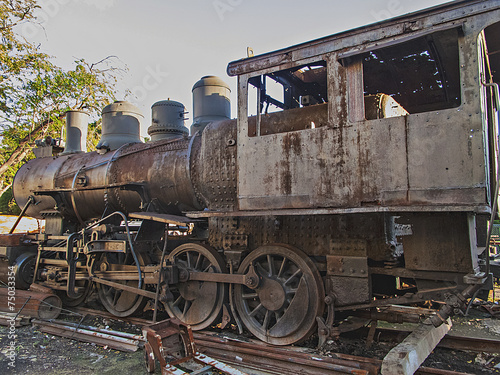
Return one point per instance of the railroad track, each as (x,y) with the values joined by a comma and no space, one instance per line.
(292,360)
(258,357)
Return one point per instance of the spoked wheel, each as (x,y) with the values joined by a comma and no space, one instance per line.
(119,302)
(197,303)
(282,310)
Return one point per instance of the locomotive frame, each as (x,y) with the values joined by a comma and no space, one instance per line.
(362,173)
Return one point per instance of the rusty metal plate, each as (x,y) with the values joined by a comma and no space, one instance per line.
(235,241)
(15,239)
(347,266)
(103,245)
(351,247)
(349,290)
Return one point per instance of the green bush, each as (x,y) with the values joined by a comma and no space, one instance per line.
(8,205)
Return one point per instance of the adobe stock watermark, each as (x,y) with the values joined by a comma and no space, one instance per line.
(392,9)
(223,6)
(10,351)
(151,80)
(48,9)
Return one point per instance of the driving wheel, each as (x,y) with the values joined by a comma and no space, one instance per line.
(282,310)
(117,301)
(196,303)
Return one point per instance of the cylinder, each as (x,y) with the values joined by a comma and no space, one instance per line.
(121,124)
(167,120)
(211,102)
(76,132)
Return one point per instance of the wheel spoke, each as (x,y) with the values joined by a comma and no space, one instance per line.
(271,265)
(187,305)
(296,273)
(116,297)
(282,267)
(177,301)
(209,267)
(117,301)
(267,318)
(198,260)
(277,315)
(249,295)
(256,310)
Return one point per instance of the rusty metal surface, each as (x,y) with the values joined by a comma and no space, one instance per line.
(435,245)
(171,339)
(167,219)
(358,292)
(214,166)
(347,266)
(126,288)
(480,209)
(8,319)
(84,183)
(105,314)
(267,357)
(15,239)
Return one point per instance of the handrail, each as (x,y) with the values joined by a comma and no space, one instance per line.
(494,208)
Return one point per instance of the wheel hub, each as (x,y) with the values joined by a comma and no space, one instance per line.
(190,290)
(272,294)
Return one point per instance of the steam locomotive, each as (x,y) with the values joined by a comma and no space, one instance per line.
(361,172)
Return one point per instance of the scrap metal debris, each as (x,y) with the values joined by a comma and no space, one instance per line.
(172,344)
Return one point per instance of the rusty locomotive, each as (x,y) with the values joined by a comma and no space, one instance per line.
(361,171)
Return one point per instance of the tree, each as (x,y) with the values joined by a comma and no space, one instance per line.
(35,93)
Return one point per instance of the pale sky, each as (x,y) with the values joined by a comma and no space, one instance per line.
(169,45)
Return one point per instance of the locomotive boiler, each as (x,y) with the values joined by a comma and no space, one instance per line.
(360,172)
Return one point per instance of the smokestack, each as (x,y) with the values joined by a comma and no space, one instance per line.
(211,102)
(76,132)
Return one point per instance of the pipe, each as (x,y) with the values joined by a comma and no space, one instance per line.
(163,253)
(31,199)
